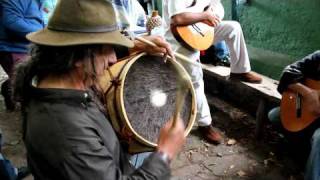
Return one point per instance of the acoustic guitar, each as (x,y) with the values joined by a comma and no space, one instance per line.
(294,115)
(198,36)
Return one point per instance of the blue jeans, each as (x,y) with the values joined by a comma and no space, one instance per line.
(137,159)
(274,116)
(221,50)
(7,170)
(313,164)
(312,171)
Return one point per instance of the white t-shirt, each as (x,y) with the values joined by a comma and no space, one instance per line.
(173,7)
(130,14)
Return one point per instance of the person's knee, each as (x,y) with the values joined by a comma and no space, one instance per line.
(233,25)
(232,30)
(316,138)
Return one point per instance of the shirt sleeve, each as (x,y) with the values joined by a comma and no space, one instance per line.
(138,13)
(92,160)
(176,7)
(14,19)
(308,67)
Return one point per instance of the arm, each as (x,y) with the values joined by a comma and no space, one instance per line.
(90,158)
(181,15)
(298,71)
(16,21)
(188,18)
(162,48)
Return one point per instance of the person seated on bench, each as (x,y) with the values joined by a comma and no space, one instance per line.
(231,33)
(292,79)
(218,55)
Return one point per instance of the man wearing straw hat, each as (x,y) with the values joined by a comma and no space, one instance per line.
(66,132)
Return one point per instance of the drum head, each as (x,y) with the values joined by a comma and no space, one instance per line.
(149,96)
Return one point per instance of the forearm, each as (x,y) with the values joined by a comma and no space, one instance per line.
(14,19)
(299,88)
(298,71)
(188,18)
(21,28)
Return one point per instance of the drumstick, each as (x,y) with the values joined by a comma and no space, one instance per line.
(181,94)
(178,55)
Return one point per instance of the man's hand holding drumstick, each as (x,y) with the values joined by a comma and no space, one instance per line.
(171,138)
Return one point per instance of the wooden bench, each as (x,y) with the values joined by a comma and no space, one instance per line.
(256,99)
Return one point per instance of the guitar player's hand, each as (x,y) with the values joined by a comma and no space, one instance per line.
(312,100)
(211,20)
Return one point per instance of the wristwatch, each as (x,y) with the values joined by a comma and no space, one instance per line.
(164,157)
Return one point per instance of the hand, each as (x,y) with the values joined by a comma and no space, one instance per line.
(171,139)
(211,20)
(163,48)
(312,101)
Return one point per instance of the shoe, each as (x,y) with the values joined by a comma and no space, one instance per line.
(210,134)
(225,61)
(7,95)
(23,172)
(250,77)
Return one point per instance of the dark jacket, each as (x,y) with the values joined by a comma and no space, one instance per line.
(308,67)
(68,136)
(17,19)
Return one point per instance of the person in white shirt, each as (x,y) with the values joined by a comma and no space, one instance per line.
(187,12)
(130,15)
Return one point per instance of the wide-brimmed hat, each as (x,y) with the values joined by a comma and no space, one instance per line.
(79,22)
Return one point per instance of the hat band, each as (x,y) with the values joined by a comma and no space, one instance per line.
(96,29)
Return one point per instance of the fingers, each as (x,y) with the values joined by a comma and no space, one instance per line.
(163,47)
(212,20)
(168,124)
(180,124)
(176,130)
(215,21)
(171,139)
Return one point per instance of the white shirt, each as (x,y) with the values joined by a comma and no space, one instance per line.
(173,7)
(130,14)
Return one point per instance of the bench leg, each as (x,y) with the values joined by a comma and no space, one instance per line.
(261,118)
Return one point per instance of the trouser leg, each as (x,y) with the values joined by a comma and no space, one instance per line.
(221,49)
(196,74)
(8,61)
(313,164)
(231,33)
(137,159)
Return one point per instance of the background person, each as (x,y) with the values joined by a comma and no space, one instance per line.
(17,19)
(292,79)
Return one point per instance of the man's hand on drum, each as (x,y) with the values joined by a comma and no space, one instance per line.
(163,48)
(171,139)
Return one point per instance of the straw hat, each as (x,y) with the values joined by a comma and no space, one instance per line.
(78,22)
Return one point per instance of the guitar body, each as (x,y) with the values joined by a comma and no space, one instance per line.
(296,119)
(198,36)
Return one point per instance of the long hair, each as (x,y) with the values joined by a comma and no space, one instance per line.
(55,61)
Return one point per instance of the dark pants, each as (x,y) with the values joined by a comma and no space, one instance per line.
(8,61)
(7,170)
